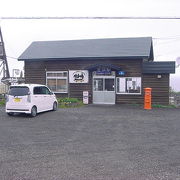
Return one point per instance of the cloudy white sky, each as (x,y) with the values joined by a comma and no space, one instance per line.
(18,34)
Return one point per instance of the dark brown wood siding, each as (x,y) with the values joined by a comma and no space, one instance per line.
(129,99)
(35,72)
(160,87)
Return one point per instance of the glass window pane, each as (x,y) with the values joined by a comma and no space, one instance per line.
(37,90)
(45,90)
(98,84)
(61,85)
(18,91)
(51,83)
(129,85)
(121,85)
(109,84)
(133,85)
(64,74)
(57,74)
(51,74)
(60,74)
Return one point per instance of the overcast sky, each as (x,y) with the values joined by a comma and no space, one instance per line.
(18,34)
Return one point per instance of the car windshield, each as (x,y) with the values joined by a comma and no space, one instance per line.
(18,91)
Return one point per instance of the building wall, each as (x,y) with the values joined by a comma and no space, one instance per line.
(35,72)
(160,87)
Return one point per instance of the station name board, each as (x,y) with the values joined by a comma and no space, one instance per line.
(78,76)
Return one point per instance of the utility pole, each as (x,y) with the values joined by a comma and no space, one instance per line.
(4,69)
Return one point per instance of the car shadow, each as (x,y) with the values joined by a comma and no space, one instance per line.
(24,115)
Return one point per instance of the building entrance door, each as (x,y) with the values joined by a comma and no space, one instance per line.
(104,89)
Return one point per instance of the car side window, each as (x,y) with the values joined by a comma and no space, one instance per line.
(45,90)
(41,90)
(37,90)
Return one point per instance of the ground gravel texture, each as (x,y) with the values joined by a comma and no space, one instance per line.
(118,142)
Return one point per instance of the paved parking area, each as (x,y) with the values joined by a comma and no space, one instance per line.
(91,143)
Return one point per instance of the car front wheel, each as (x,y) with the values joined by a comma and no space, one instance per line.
(33,111)
(55,106)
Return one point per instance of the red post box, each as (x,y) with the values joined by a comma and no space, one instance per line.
(147,98)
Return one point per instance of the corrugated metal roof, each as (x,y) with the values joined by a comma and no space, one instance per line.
(91,48)
(161,67)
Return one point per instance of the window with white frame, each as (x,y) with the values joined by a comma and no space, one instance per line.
(57,81)
(128,85)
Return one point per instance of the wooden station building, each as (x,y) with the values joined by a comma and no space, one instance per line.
(112,71)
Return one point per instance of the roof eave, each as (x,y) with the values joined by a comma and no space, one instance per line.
(82,58)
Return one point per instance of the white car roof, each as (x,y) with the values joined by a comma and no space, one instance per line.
(28,85)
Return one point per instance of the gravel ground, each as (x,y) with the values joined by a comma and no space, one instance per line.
(91,143)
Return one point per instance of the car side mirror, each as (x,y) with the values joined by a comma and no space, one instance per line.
(5,96)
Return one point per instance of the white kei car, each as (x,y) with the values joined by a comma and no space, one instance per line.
(30,99)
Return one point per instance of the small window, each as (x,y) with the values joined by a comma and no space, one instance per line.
(129,85)
(57,81)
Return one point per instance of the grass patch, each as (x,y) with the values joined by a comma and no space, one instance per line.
(163,106)
(69,102)
(2,102)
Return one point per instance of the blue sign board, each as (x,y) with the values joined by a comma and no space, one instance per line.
(103,71)
(121,73)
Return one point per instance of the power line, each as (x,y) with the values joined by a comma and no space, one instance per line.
(93,17)
(167,38)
